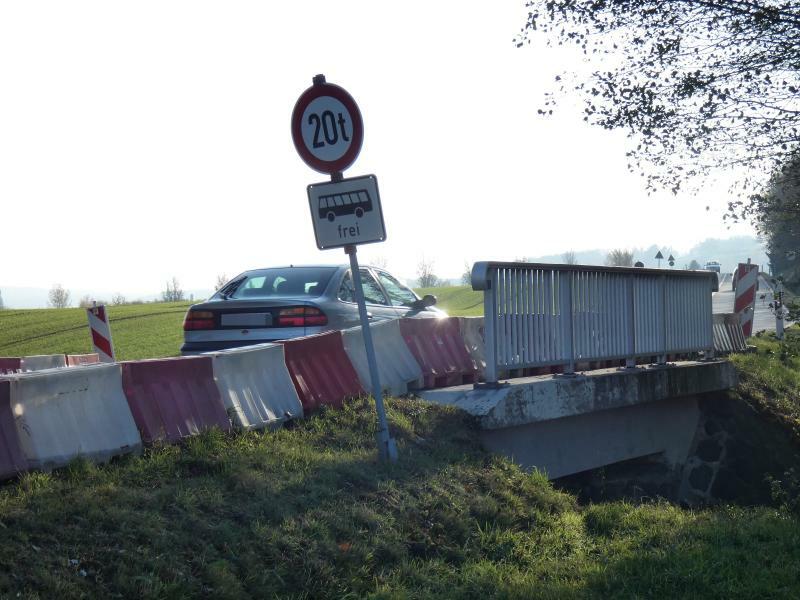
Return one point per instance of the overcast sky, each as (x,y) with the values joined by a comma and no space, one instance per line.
(143,140)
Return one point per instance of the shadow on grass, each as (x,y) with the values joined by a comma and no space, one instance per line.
(309,512)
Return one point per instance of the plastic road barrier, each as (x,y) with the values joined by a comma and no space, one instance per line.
(32,363)
(397,367)
(64,413)
(74,360)
(473,334)
(43,361)
(255,386)
(440,351)
(12,459)
(173,398)
(321,370)
(10,364)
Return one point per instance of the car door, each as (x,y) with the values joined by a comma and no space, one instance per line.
(378,305)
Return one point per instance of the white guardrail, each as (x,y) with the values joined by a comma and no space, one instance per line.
(550,314)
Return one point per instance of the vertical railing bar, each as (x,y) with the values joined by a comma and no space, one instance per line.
(501,316)
(489,330)
(570,325)
(630,322)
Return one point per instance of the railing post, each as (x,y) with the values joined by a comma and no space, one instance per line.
(662,358)
(630,350)
(489,314)
(570,341)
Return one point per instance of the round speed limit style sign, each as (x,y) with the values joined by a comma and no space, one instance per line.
(326,127)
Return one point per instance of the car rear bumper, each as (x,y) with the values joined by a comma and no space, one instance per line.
(198,342)
(193,348)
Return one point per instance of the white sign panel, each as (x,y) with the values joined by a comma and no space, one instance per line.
(347,212)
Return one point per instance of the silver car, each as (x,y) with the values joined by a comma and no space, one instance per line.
(285,302)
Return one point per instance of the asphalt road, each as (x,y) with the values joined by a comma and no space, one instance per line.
(722,302)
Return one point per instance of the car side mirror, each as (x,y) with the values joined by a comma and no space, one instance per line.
(424,302)
(428,300)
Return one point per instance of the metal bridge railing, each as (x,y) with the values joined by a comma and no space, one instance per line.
(549,314)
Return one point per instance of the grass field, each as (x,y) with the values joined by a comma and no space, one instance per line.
(458,301)
(139,330)
(144,330)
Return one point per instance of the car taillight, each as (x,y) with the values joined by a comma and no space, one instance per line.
(198,319)
(302,316)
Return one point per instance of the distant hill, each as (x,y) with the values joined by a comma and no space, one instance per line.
(728,252)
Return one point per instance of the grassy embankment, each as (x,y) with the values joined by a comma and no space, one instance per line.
(308,512)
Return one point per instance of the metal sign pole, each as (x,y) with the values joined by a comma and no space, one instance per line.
(386,444)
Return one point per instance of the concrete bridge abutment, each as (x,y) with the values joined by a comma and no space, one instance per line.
(564,425)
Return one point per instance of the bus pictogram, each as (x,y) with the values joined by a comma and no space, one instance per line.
(355,203)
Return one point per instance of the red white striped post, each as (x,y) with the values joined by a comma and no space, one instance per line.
(744,305)
(101,333)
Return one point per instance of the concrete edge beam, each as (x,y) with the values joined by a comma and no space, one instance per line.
(548,397)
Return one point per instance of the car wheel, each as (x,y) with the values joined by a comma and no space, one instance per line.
(359,212)
(331,216)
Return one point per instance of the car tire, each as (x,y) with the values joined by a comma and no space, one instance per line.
(359,212)
(331,216)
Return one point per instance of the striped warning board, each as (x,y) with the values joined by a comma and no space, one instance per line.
(744,305)
(101,333)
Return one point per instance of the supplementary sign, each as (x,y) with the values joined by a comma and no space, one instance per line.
(346,212)
(327,129)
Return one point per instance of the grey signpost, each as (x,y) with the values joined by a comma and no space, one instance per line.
(327,131)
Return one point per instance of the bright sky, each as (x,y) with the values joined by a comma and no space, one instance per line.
(143,140)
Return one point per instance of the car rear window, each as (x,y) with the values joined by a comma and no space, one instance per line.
(290,282)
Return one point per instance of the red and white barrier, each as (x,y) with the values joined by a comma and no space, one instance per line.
(64,413)
(76,360)
(398,369)
(101,333)
(744,305)
(26,364)
(256,387)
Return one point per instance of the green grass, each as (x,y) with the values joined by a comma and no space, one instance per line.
(307,512)
(139,330)
(770,376)
(457,301)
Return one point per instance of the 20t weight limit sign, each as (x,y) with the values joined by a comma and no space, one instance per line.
(326,127)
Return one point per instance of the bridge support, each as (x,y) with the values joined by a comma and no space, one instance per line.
(568,425)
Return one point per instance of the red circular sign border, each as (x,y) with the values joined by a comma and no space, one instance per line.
(349,157)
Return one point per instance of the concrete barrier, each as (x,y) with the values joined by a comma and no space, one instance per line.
(473,333)
(64,413)
(75,360)
(255,386)
(12,459)
(173,398)
(321,370)
(397,367)
(440,350)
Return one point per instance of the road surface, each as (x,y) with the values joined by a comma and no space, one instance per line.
(722,302)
